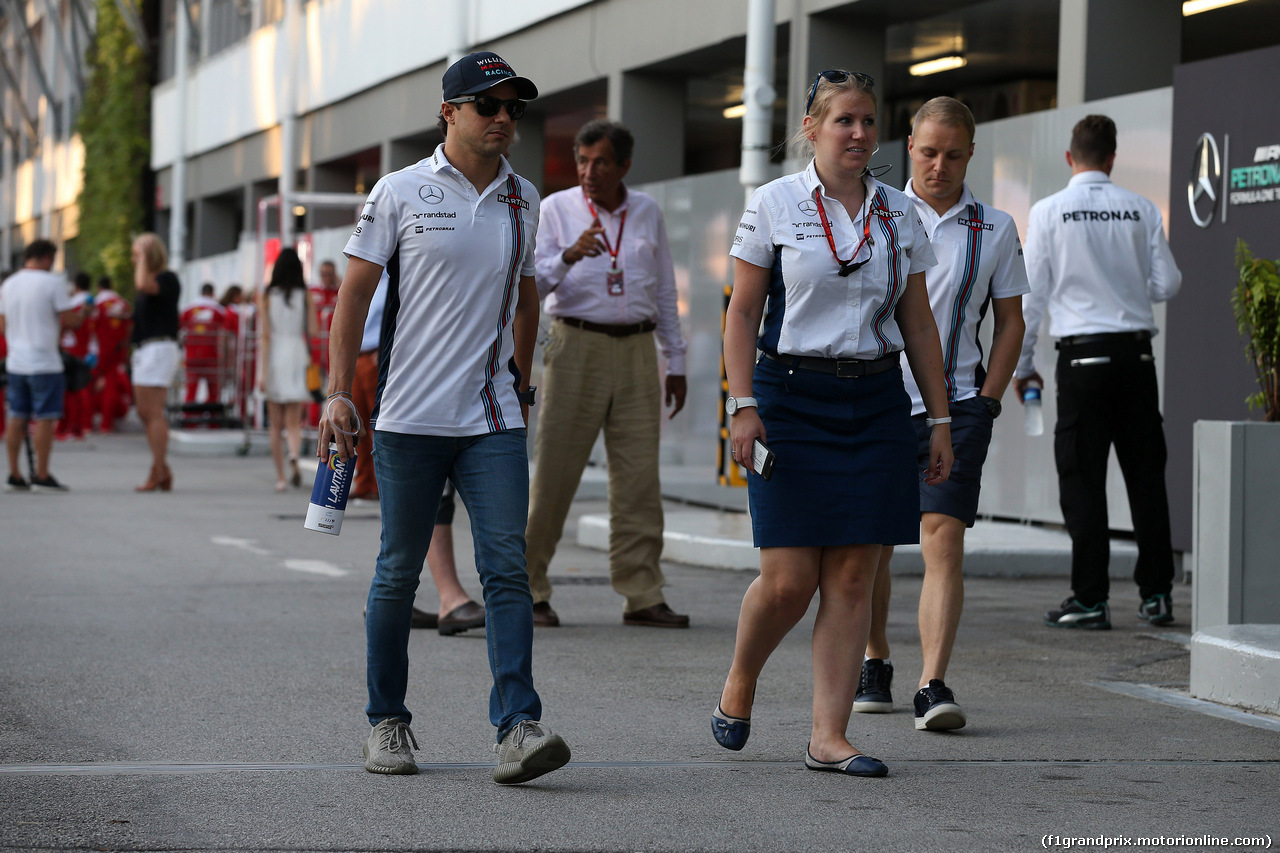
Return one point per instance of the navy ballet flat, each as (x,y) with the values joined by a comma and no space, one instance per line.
(730,732)
(855,765)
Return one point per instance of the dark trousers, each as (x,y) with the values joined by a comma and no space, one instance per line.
(1101,404)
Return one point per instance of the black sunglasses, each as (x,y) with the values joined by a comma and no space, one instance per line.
(837,75)
(488,106)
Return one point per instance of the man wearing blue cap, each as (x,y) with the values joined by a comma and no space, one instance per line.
(455,234)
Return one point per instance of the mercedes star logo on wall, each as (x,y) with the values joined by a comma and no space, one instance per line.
(1206,176)
(431,195)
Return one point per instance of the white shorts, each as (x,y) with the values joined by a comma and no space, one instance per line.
(155,364)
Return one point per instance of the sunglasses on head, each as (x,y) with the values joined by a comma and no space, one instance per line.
(488,106)
(837,75)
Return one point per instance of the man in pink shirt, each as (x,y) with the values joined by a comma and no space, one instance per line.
(604,268)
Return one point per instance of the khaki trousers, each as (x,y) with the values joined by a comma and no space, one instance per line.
(592,381)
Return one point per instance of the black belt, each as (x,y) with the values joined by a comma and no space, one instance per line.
(843,368)
(1106,338)
(156,339)
(621,330)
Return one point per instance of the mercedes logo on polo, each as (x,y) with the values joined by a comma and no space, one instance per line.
(808,208)
(431,194)
(1206,175)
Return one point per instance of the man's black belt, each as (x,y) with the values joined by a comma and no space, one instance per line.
(156,339)
(620,330)
(843,368)
(1107,338)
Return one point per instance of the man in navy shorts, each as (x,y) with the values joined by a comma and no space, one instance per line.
(35,306)
(980,267)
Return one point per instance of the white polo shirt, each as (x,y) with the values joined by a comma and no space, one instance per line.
(979,259)
(813,310)
(580,290)
(453,259)
(1098,258)
(31,301)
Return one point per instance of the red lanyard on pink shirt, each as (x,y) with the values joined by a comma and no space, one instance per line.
(616,247)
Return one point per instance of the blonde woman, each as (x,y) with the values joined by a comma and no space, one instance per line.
(286,323)
(155,360)
(840,259)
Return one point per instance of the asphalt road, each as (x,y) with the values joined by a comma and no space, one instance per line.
(185,671)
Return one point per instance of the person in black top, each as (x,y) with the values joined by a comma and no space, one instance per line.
(155,361)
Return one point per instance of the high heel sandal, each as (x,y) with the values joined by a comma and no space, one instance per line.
(295,476)
(166,481)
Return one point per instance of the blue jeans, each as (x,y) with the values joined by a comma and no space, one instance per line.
(491,475)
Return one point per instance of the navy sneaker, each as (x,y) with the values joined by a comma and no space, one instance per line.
(873,696)
(936,708)
(1073,614)
(1158,609)
(17,484)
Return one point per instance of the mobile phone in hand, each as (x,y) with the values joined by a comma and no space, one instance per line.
(762,459)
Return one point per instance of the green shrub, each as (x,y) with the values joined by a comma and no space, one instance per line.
(1256,303)
(114,126)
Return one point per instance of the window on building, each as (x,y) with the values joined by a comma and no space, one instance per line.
(230,21)
(169,11)
(272,11)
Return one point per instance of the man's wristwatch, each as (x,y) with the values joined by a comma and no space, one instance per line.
(732,404)
(526,397)
(993,406)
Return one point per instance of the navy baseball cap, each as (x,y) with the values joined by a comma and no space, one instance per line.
(476,72)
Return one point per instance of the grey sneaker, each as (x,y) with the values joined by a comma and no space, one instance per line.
(528,751)
(387,749)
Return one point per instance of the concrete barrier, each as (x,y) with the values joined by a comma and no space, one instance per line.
(1237,665)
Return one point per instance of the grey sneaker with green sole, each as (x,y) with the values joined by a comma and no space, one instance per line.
(387,749)
(529,750)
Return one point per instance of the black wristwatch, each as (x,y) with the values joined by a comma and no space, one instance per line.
(526,397)
(992,404)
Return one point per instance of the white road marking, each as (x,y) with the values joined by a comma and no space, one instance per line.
(250,545)
(316,567)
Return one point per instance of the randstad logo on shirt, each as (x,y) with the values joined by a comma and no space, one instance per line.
(513,200)
(974,223)
(1101,216)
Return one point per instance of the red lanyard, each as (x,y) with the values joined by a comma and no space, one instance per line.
(846,267)
(617,245)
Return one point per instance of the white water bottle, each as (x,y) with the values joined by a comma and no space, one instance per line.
(1031,408)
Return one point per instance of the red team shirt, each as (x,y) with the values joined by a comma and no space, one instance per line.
(111,316)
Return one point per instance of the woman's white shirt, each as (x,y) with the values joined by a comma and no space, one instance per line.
(812,310)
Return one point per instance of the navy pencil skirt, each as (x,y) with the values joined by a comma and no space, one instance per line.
(846,460)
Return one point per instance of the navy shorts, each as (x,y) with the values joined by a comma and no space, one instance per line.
(37,396)
(971,424)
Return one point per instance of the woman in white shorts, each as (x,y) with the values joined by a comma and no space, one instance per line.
(155,361)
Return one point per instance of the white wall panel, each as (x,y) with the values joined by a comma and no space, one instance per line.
(1016,162)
